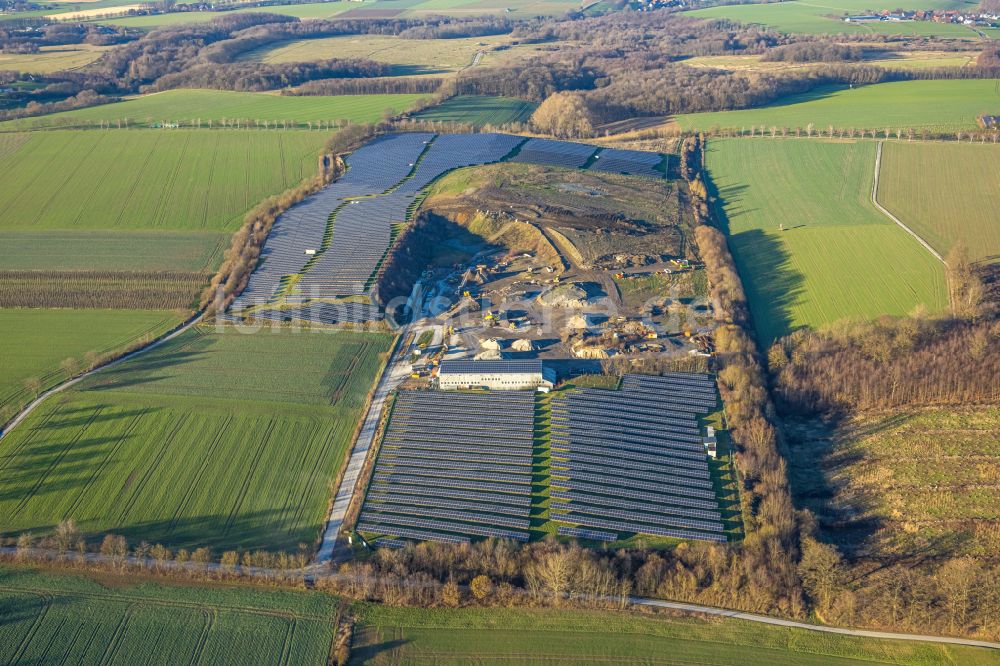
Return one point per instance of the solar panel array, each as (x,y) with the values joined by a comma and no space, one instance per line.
(555,153)
(453,151)
(633,461)
(629,163)
(348,226)
(371,169)
(324,313)
(454,466)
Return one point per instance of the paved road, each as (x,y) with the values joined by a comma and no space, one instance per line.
(121,359)
(394,373)
(764,619)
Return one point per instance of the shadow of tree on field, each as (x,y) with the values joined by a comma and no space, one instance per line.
(770,280)
(153,367)
(365,654)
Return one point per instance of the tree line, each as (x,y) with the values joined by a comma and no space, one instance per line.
(626,65)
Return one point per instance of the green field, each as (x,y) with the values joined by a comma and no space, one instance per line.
(407,56)
(219,438)
(52,58)
(188,107)
(386,635)
(945,192)
(100,250)
(52,618)
(147,180)
(480,110)
(837,256)
(942,106)
(34,343)
(140,200)
(825,18)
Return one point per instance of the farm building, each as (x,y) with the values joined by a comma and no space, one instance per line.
(504,375)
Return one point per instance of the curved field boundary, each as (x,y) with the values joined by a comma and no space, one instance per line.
(166,337)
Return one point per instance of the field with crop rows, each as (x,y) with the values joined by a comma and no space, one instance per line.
(101,289)
(191,108)
(938,106)
(894,482)
(34,343)
(218,439)
(946,192)
(148,180)
(385,635)
(52,618)
(101,250)
(837,256)
(825,18)
(480,110)
(408,56)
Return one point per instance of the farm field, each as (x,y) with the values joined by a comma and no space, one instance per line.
(837,256)
(52,58)
(892,483)
(218,439)
(946,192)
(92,13)
(895,60)
(941,106)
(309,10)
(368,9)
(57,618)
(182,180)
(407,56)
(188,107)
(34,343)
(825,18)
(100,250)
(479,110)
(386,635)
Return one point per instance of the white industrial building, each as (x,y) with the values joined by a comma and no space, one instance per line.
(504,375)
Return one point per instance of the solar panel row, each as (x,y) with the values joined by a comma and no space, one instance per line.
(444,526)
(641,507)
(629,162)
(596,535)
(630,464)
(415,492)
(377,510)
(626,526)
(408,533)
(623,475)
(586,489)
(399,501)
